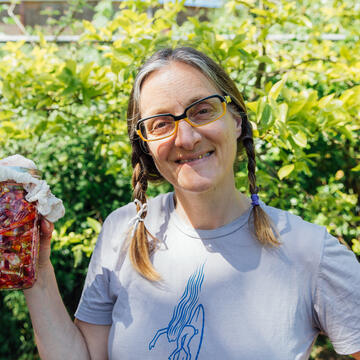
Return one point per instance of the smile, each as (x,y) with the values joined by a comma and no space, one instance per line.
(184,161)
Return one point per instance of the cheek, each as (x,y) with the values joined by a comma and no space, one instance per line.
(160,150)
(223,132)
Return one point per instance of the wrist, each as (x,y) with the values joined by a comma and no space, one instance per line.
(45,276)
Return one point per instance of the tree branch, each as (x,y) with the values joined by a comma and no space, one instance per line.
(18,23)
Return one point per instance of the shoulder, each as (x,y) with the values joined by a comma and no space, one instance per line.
(294,226)
(301,240)
(119,221)
(114,233)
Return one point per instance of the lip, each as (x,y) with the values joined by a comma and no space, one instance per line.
(192,158)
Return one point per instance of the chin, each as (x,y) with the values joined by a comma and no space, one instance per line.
(199,186)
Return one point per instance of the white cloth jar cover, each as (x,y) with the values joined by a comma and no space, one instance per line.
(49,206)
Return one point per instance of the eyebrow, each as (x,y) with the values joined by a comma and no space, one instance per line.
(160,110)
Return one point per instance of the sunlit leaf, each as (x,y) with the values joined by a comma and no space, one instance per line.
(94,224)
(323,102)
(356,168)
(285,171)
(283,109)
(276,88)
(300,138)
(265,116)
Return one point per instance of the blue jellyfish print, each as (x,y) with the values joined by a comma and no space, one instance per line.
(186,326)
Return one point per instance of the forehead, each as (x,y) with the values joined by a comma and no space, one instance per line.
(172,88)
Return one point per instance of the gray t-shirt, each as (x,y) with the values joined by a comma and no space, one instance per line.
(223,295)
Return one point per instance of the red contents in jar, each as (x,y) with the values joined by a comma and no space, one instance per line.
(19,238)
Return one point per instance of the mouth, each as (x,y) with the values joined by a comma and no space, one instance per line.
(202,156)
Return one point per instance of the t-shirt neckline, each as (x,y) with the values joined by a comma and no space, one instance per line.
(187,229)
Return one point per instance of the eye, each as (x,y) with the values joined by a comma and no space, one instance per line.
(158,124)
(201,110)
(161,124)
(204,110)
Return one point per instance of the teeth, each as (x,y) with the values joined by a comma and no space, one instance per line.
(199,157)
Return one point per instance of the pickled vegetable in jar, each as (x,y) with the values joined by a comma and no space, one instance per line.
(19,236)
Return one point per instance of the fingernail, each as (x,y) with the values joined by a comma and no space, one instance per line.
(47,222)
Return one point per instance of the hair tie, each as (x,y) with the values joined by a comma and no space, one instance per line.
(137,218)
(247,137)
(255,200)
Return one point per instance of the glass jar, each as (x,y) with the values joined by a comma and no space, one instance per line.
(19,235)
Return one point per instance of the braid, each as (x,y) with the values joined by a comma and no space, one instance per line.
(140,249)
(264,229)
(251,165)
(139,183)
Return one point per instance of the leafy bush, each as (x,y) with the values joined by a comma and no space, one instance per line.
(64,106)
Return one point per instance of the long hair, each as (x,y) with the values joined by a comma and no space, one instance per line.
(144,166)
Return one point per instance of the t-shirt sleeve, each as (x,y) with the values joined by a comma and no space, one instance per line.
(97,299)
(337,296)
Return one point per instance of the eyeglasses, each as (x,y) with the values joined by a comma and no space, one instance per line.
(199,113)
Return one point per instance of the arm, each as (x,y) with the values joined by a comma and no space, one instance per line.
(57,337)
(96,338)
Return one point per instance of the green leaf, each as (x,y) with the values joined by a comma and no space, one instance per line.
(123,56)
(265,59)
(94,224)
(260,12)
(244,54)
(66,76)
(85,71)
(265,116)
(276,88)
(8,127)
(324,101)
(283,110)
(252,106)
(89,26)
(6,114)
(296,106)
(285,171)
(345,53)
(356,168)
(306,21)
(44,103)
(300,139)
(356,246)
(41,127)
(71,65)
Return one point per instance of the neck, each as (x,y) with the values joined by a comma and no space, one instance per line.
(207,210)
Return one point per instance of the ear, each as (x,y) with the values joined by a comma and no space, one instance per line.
(238,123)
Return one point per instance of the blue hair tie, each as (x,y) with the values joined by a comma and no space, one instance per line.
(255,200)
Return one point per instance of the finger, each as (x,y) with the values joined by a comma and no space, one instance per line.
(46,228)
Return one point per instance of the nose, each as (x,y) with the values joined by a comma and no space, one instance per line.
(187,136)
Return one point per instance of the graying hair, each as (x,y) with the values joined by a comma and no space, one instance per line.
(195,59)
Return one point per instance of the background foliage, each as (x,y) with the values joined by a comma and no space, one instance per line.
(64,106)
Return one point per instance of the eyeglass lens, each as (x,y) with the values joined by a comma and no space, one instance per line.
(200,113)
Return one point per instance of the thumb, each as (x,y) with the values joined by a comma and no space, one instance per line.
(46,228)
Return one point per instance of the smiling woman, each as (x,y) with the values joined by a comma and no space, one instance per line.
(173,83)
(195,159)
(203,272)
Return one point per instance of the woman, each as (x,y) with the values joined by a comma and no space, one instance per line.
(204,272)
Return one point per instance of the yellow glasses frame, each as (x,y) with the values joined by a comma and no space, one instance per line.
(224,100)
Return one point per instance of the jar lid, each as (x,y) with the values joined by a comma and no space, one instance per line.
(33,172)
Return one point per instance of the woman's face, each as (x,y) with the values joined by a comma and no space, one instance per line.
(194,159)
